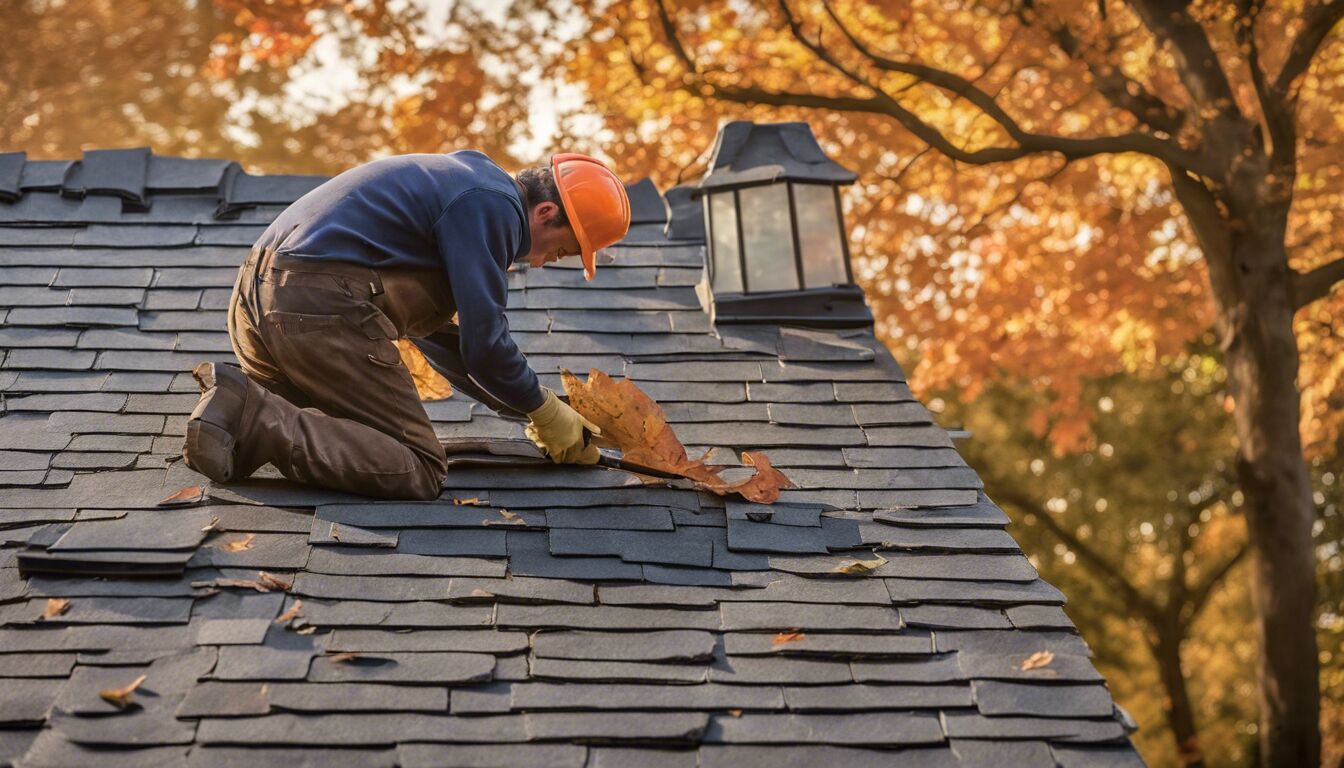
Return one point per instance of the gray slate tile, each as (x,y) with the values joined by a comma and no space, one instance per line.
(492,756)
(969,725)
(805,756)
(861,698)
(863,728)
(419,668)
(618,671)
(995,698)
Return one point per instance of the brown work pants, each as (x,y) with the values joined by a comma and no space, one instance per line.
(335,406)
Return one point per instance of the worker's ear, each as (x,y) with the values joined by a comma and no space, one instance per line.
(545,213)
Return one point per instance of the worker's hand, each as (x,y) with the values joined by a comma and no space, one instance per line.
(558,430)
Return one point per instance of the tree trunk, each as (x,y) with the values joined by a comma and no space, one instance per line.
(1167,653)
(1262,364)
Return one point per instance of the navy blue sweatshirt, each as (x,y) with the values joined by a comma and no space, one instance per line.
(459,212)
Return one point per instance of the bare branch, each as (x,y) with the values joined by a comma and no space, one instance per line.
(1117,87)
(1196,63)
(674,38)
(1318,283)
(1070,148)
(1277,117)
(1199,596)
(1095,563)
(1319,21)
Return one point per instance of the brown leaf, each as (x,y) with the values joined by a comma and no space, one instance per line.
(274,582)
(337,658)
(1038,660)
(472,502)
(240,544)
(429,384)
(56,606)
(735,712)
(308,630)
(788,637)
(121,697)
(292,614)
(631,421)
(859,567)
(192,494)
(241,584)
(213,525)
(335,531)
(507,515)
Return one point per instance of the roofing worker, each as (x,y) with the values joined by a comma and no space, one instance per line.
(387,250)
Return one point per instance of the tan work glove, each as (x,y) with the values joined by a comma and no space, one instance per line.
(558,430)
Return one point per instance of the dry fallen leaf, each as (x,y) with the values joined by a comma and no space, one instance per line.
(308,630)
(429,384)
(292,614)
(788,637)
(473,502)
(1038,660)
(631,421)
(335,531)
(274,582)
(507,515)
(239,545)
(213,525)
(56,606)
(859,567)
(735,712)
(121,697)
(241,583)
(192,494)
(478,592)
(337,658)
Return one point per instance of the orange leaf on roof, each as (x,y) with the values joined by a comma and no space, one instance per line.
(56,606)
(239,545)
(1038,660)
(631,421)
(274,582)
(121,697)
(788,637)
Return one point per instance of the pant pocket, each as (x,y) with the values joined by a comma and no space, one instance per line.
(297,324)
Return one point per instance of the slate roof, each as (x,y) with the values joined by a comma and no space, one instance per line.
(575,618)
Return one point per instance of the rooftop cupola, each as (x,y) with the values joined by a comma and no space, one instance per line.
(777,246)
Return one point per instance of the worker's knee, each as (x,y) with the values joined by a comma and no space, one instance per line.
(426,482)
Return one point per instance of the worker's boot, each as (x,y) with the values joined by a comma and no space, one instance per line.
(220,442)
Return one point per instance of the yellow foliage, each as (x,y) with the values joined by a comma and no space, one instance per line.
(428,382)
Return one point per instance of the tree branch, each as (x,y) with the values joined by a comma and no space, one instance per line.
(1200,594)
(1319,21)
(1028,142)
(1317,284)
(1196,63)
(1095,563)
(674,38)
(1119,89)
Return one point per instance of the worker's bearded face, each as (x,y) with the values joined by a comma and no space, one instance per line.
(550,242)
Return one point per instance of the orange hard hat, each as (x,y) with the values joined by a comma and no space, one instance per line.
(595,201)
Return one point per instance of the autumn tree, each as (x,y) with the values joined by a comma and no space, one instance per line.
(1187,143)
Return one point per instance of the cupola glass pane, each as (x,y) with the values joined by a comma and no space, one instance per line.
(819,235)
(767,236)
(723,245)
